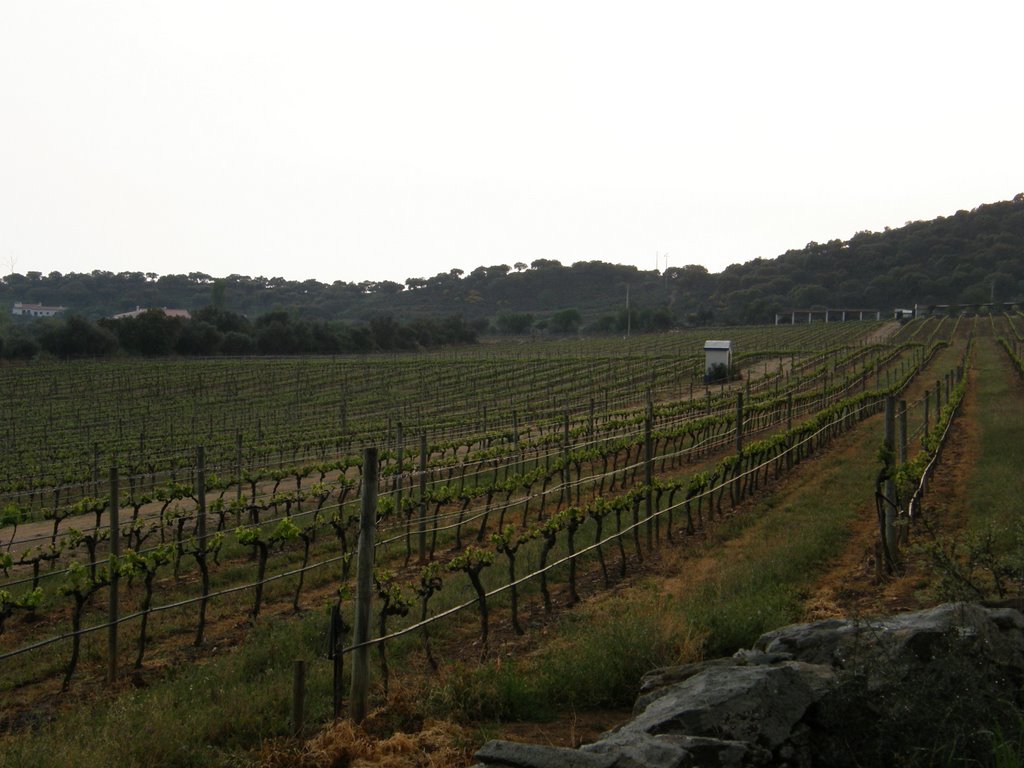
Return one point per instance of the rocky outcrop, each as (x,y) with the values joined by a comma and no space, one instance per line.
(829,693)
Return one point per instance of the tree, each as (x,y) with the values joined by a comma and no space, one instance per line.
(151,334)
(235,343)
(513,322)
(217,294)
(77,337)
(198,338)
(276,334)
(565,321)
(414,283)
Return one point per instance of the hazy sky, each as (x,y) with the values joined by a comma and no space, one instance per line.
(385,140)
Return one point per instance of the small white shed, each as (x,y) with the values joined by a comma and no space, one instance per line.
(717,352)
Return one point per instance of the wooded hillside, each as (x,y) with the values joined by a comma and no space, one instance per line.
(968,257)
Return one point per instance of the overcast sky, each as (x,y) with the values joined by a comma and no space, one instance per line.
(385,140)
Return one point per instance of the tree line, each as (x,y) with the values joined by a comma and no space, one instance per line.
(970,257)
(211,331)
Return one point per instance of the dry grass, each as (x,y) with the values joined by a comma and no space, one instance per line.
(342,744)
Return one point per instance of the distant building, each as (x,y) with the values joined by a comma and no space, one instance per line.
(794,316)
(182,313)
(717,353)
(35,310)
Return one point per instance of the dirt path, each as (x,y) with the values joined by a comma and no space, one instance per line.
(851,586)
(884,333)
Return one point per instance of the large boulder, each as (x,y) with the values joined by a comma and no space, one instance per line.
(832,692)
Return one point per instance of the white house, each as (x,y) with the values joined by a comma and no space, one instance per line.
(182,313)
(35,310)
(717,352)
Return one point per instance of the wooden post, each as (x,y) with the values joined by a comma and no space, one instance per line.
(423,499)
(566,491)
(359,697)
(518,463)
(649,470)
(927,403)
(201,536)
(739,423)
(903,532)
(238,461)
(201,495)
(298,696)
(789,411)
(890,483)
(336,656)
(903,432)
(95,469)
(398,472)
(115,552)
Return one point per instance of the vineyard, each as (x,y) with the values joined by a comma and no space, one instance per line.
(148,508)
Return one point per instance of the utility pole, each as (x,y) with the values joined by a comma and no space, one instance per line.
(629,318)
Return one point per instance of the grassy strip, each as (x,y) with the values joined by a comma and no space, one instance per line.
(986,559)
(207,714)
(789,536)
(993,490)
(764,560)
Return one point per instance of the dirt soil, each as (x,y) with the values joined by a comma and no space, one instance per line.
(853,585)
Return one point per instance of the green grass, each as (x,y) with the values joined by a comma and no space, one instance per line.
(786,540)
(994,490)
(986,558)
(604,647)
(210,713)
(597,660)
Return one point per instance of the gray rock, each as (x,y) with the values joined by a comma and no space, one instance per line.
(640,750)
(887,646)
(655,683)
(775,704)
(816,643)
(745,656)
(757,704)
(636,749)
(514,755)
